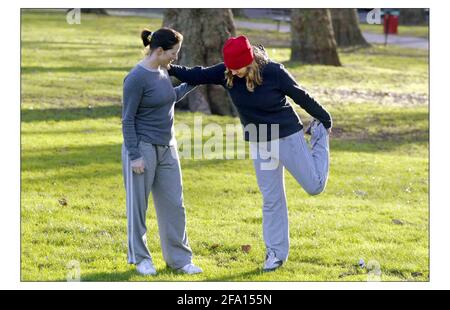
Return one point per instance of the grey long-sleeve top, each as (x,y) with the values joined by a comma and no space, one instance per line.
(148,108)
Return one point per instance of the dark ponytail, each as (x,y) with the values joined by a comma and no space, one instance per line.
(145,36)
(166,38)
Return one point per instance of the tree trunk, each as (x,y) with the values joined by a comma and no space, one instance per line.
(346,28)
(313,38)
(204,31)
(238,12)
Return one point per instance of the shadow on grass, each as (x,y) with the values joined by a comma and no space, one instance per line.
(70,114)
(110,276)
(78,69)
(75,157)
(238,277)
(103,156)
(175,277)
(377,146)
(50,45)
(99,155)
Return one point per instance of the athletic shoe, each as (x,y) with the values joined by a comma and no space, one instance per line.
(146,268)
(272,262)
(190,269)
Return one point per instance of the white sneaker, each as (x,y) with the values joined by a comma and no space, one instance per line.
(272,262)
(146,268)
(190,269)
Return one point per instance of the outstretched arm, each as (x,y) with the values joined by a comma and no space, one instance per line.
(290,87)
(182,90)
(199,75)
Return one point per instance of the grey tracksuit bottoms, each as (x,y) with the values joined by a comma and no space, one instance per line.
(161,177)
(308,166)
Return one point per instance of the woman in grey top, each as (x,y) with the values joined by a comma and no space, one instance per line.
(149,155)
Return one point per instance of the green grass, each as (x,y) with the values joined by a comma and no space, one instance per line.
(420,31)
(71,139)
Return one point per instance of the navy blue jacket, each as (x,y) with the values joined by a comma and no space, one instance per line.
(267,105)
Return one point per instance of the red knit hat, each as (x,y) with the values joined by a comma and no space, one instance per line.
(237,53)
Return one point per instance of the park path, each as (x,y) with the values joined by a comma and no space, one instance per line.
(403,41)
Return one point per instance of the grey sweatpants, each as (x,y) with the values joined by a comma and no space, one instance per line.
(308,166)
(161,177)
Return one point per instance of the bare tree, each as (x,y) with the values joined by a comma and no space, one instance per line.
(205,31)
(346,28)
(313,37)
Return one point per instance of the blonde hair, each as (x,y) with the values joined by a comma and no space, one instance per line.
(253,77)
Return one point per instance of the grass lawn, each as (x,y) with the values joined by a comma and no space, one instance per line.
(421,31)
(375,206)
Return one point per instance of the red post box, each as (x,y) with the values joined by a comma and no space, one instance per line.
(390,24)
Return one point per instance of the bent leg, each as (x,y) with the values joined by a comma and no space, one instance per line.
(310,167)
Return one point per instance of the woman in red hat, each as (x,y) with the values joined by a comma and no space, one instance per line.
(258,88)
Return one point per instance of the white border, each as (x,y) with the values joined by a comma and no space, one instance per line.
(10,169)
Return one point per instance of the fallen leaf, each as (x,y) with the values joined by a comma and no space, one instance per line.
(246,248)
(346,274)
(214,246)
(360,193)
(397,222)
